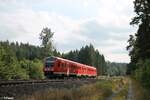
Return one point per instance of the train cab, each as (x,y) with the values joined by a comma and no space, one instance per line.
(49,64)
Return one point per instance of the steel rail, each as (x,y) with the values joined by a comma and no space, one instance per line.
(19,82)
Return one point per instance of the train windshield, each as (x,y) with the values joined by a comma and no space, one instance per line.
(50,62)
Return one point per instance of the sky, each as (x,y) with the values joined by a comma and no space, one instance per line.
(75,23)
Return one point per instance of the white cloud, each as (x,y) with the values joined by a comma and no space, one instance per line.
(107,29)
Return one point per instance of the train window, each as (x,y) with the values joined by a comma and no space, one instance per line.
(62,65)
(58,64)
(49,64)
(74,67)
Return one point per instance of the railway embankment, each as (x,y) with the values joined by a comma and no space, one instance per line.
(104,88)
(18,89)
(101,89)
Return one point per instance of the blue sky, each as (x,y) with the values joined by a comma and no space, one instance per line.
(104,23)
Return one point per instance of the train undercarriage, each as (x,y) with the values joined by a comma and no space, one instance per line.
(60,75)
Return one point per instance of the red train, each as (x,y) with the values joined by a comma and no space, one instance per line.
(59,67)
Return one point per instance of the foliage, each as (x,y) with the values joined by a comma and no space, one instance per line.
(15,61)
(33,68)
(9,66)
(142,10)
(46,37)
(36,70)
(139,44)
(140,93)
(116,69)
(143,73)
(21,51)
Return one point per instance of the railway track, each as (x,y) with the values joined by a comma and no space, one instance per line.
(22,82)
(25,82)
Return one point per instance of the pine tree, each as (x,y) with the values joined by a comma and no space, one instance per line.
(140,43)
(140,53)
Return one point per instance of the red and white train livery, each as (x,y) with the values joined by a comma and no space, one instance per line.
(59,67)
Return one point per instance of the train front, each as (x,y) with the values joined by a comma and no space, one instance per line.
(49,64)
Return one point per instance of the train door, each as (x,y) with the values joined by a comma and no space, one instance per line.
(67,69)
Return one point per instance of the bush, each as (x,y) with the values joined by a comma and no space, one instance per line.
(19,73)
(12,70)
(33,68)
(143,73)
(36,69)
(14,67)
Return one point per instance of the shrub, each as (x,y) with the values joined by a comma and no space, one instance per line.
(143,73)
(36,70)
(10,68)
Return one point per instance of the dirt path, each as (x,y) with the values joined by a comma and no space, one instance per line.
(129,95)
(130,91)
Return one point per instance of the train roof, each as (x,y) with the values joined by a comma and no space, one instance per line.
(73,62)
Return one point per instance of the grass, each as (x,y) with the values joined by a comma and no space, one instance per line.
(100,90)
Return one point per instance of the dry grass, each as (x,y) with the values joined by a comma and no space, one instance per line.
(97,91)
(122,95)
(121,91)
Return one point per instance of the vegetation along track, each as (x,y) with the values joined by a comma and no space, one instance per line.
(27,87)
